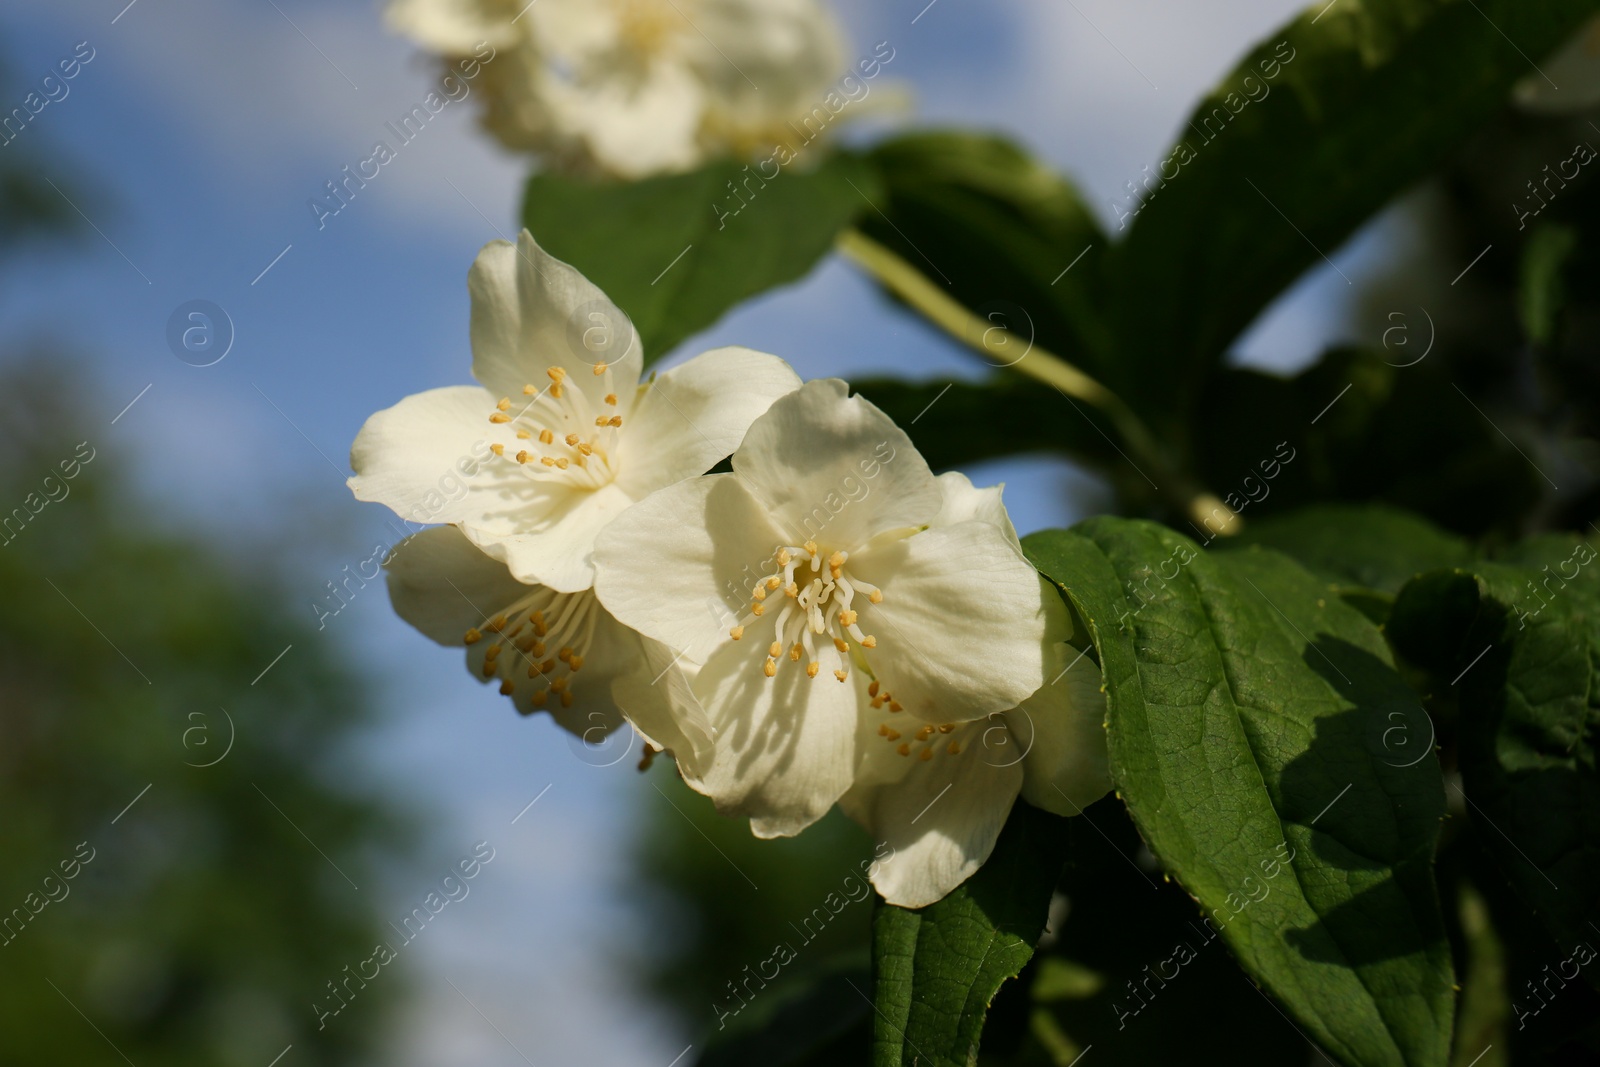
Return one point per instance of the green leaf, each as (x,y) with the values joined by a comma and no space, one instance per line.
(999,230)
(1364,98)
(1378,425)
(675,253)
(1541,284)
(1358,547)
(1518,643)
(1248,714)
(958,422)
(936,970)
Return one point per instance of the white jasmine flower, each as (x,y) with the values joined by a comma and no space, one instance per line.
(636,87)
(549,651)
(939,792)
(561,436)
(818,566)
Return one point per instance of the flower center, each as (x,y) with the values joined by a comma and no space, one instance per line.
(645,26)
(536,646)
(559,435)
(926,740)
(813,599)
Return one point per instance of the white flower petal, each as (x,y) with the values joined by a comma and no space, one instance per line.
(661,704)
(695,415)
(531,313)
(941,816)
(428,458)
(638,126)
(786,746)
(679,565)
(964,502)
(962,624)
(1062,728)
(549,540)
(442,585)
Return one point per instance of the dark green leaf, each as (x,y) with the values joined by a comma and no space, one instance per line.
(958,422)
(1518,643)
(981,217)
(1542,287)
(936,970)
(737,236)
(1357,547)
(1251,718)
(1380,425)
(1364,100)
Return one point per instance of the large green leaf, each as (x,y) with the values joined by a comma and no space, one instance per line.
(1365,98)
(1248,714)
(957,422)
(1362,425)
(677,252)
(936,970)
(1518,643)
(1002,233)
(1365,552)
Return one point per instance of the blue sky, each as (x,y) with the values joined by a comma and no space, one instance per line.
(196,136)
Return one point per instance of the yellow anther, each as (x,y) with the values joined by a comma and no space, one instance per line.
(611,398)
(547,666)
(599,369)
(954,748)
(794,653)
(924,733)
(883,729)
(792,590)
(527,644)
(760,592)
(601,420)
(843,647)
(506,688)
(892,735)
(775,650)
(548,461)
(876,596)
(784,557)
(498,449)
(847,618)
(810,547)
(616,420)
(894,705)
(499,417)
(556,373)
(770,668)
(575,664)
(546,437)
(505,403)
(537,649)
(947,728)
(736,633)
(841,675)
(472,636)
(812,668)
(869,642)
(774,582)
(757,609)
(587,450)
(572,438)
(524,435)
(528,390)
(488,668)
(523,456)
(872,690)
(904,749)
(566,698)
(925,754)
(496,624)
(562,463)
(565,654)
(537,619)
(555,390)
(540,697)
(559,685)
(836,560)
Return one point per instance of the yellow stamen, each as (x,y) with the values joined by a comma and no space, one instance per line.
(546,437)
(572,438)
(794,654)
(876,596)
(774,650)
(505,403)
(523,456)
(954,748)
(872,690)
(506,688)
(524,435)
(566,695)
(847,618)
(472,636)
(841,675)
(869,642)
(540,697)
(497,417)
(812,668)
(757,609)
(556,373)
(599,369)
(904,749)
(528,390)
(736,633)
(926,754)
(611,398)
(771,668)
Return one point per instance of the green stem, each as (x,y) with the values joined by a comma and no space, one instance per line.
(995,343)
